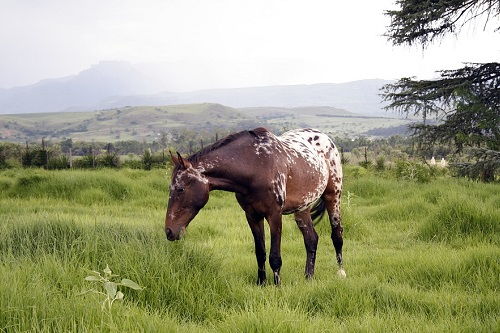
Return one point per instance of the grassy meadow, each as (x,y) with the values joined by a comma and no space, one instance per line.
(418,257)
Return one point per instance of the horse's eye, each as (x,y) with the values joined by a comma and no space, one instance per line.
(179,190)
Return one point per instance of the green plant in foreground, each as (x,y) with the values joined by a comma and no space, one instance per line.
(110,287)
(349,196)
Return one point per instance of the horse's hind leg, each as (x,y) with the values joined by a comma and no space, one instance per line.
(275,251)
(305,225)
(332,202)
(256,224)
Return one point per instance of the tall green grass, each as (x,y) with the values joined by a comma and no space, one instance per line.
(419,257)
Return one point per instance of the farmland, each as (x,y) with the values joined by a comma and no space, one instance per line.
(418,257)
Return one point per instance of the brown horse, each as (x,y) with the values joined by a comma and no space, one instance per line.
(298,172)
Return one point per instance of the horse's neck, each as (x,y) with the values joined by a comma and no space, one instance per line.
(222,174)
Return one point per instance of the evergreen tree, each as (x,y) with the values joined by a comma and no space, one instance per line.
(466,101)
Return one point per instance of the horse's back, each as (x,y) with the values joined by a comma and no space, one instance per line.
(314,146)
(313,164)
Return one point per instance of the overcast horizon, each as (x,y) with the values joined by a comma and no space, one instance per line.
(223,44)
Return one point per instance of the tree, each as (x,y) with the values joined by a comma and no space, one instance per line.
(423,21)
(66,145)
(465,102)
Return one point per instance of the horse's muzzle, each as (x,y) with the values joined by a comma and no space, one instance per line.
(170,235)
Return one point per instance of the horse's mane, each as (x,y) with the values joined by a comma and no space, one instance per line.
(258,132)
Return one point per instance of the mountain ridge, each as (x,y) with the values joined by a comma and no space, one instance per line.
(111,84)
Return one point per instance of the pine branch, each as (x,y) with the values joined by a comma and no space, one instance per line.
(423,22)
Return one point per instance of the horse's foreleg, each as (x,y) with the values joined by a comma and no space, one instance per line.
(306,226)
(256,224)
(332,202)
(275,253)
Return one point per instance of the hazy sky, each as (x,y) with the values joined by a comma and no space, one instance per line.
(222,43)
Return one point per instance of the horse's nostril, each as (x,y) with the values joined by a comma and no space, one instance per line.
(169,233)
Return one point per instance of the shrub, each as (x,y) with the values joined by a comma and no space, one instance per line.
(150,160)
(9,155)
(355,171)
(365,164)
(414,171)
(27,158)
(343,158)
(3,159)
(380,163)
(132,164)
(84,162)
(108,160)
(147,159)
(58,163)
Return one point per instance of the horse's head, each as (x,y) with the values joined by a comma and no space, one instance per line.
(188,194)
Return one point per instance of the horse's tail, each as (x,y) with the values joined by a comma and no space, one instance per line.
(318,211)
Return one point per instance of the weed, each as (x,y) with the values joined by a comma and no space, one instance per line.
(110,287)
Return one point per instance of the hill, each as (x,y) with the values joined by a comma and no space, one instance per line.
(358,96)
(139,123)
(147,122)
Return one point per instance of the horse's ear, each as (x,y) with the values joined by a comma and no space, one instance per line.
(183,162)
(175,160)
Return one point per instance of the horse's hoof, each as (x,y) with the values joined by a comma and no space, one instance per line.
(261,277)
(341,273)
(277,279)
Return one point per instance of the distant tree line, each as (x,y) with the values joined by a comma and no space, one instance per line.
(406,146)
(83,154)
(147,155)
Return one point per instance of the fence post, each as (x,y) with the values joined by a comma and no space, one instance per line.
(45,154)
(70,158)
(26,155)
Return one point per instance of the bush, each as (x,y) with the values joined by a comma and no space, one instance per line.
(365,164)
(108,160)
(147,159)
(343,158)
(11,163)
(58,163)
(84,162)
(132,164)
(3,158)
(150,160)
(355,171)
(414,171)
(9,155)
(380,163)
(27,158)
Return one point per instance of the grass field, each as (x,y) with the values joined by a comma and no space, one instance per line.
(418,257)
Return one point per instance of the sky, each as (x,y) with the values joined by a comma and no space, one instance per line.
(223,43)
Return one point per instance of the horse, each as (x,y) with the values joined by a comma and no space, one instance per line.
(296,173)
